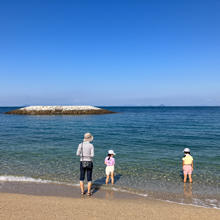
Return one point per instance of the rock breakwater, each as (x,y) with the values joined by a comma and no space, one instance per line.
(59,110)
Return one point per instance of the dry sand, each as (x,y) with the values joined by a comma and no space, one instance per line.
(19,206)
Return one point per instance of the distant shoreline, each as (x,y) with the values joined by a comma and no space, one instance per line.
(126,106)
(59,110)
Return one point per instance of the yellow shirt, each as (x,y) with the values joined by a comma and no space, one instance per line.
(188,159)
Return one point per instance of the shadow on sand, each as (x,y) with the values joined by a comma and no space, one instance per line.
(97,184)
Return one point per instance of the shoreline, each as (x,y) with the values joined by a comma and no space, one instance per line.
(53,201)
(61,189)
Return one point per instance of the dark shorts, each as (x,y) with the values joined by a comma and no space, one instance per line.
(83,171)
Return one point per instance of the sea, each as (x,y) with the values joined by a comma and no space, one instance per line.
(148,142)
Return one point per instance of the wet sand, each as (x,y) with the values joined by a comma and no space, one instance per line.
(60,190)
(52,201)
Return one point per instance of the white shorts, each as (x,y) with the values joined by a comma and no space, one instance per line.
(109,170)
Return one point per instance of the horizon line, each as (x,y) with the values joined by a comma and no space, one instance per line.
(10,106)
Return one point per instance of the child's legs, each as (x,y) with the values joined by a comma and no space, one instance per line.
(107,172)
(190,174)
(185,177)
(190,178)
(112,177)
(107,179)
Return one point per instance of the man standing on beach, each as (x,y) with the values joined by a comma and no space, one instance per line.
(86,152)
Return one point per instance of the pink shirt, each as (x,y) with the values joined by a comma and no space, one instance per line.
(110,162)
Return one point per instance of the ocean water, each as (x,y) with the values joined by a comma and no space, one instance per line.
(148,141)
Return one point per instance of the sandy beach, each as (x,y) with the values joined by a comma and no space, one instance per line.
(51,201)
(18,206)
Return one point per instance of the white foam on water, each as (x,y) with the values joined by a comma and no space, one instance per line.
(208,203)
(198,203)
(127,191)
(31,180)
(22,179)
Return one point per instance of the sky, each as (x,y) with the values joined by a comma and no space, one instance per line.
(122,52)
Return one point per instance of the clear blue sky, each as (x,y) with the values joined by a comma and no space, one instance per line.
(136,52)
